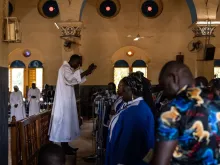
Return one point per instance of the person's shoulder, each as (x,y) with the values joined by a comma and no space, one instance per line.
(66,66)
(138,107)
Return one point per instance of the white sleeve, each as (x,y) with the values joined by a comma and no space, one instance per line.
(20,99)
(84,78)
(72,78)
(29,95)
(12,100)
(38,95)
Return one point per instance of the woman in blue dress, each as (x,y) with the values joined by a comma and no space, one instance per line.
(131,131)
(118,104)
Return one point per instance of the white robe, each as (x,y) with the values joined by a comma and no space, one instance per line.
(34,103)
(64,124)
(19,112)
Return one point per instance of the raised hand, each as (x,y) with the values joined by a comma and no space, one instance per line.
(91,68)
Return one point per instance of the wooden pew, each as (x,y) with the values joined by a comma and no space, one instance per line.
(15,142)
(30,140)
(27,136)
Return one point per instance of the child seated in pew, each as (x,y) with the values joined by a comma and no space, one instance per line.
(51,154)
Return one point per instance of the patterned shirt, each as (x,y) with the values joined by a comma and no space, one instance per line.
(187,121)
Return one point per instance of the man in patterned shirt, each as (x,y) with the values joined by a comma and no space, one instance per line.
(183,135)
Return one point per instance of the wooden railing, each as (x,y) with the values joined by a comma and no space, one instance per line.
(27,136)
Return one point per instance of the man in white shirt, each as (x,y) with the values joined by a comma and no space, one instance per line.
(17,106)
(34,100)
(64,124)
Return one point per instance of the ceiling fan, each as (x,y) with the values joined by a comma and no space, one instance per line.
(138,37)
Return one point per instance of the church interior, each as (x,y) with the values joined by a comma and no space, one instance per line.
(118,36)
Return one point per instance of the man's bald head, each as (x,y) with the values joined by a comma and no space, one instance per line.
(174,76)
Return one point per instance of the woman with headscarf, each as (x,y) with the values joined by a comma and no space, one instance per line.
(147,94)
(131,131)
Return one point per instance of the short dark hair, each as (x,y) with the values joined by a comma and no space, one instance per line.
(113,84)
(75,57)
(216,83)
(201,80)
(51,154)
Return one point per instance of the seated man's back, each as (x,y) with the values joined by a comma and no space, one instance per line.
(51,154)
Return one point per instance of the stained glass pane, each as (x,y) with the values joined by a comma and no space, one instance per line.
(120,73)
(18,78)
(217,72)
(143,70)
(39,78)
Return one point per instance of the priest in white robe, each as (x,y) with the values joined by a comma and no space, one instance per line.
(17,106)
(34,100)
(64,124)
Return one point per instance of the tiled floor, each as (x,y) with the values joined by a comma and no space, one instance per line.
(84,143)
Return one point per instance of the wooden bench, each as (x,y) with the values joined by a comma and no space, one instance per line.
(27,136)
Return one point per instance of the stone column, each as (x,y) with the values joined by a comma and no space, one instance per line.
(204,10)
(69,12)
(3,88)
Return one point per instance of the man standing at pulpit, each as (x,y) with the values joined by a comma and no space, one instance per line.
(34,100)
(64,124)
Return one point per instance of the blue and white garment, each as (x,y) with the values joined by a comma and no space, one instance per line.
(131,135)
(118,105)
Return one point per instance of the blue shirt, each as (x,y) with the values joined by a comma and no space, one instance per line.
(187,121)
(131,135)
(118,104)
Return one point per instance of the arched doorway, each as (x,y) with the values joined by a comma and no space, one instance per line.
(35,74)
(16,75)
(140,65)
(121,70)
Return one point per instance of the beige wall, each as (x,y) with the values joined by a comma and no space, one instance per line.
(40,36)
(3,45)
(101,38)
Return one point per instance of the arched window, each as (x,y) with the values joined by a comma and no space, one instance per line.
(16,75)
(139,65)
(35,74)
(121,70)
(217,68)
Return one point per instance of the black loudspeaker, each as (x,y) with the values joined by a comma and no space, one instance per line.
(108,8)
(152,9)
(10,9)
(209,52)
(48,8)
(180,58)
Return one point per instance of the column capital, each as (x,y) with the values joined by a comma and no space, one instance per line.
(204,28)
(70,29)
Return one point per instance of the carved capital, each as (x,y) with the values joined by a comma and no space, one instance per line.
(70,29)
(204,28)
